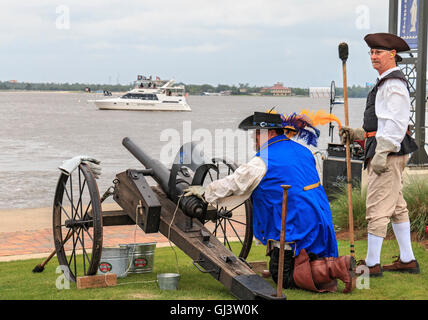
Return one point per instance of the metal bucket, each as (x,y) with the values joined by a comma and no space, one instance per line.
(168,281)
(141,256)
(114,260)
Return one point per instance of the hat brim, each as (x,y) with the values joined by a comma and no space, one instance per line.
(386,41)
(247,124)
(261,120)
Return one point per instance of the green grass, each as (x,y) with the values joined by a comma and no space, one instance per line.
(340,211)
(18,282)
(415,192)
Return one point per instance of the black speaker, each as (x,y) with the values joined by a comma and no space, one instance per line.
(334,174)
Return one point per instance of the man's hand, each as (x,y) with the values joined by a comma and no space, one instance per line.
(346,133)
(383,148)
(197,191)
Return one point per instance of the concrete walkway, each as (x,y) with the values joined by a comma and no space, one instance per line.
(27,233)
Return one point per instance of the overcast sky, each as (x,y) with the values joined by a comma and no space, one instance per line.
(194,41)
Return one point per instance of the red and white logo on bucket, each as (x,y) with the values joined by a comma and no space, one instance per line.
(105,267)
(140,262)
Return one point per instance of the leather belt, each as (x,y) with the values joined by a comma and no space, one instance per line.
(369,134)
(373,134)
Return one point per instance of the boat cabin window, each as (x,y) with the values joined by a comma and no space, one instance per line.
(173,92)
(141,96)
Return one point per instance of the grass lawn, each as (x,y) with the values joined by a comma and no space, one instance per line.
(18,282)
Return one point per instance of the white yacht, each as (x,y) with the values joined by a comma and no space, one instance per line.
(149,95)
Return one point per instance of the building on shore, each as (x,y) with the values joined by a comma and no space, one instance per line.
(277,90)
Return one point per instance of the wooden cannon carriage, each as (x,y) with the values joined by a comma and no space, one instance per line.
(205,233)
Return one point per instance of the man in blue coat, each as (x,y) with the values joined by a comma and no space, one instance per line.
(311,256)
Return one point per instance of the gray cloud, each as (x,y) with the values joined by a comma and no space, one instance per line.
(239,33)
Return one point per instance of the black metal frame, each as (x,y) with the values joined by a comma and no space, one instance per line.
(416,63)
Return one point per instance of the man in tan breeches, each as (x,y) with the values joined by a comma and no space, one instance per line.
(387,147)
(386,204)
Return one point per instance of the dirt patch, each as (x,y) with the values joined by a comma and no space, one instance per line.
(143,296)
(344,235)
(362,235)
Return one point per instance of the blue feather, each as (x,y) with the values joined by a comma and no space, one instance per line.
(302,125)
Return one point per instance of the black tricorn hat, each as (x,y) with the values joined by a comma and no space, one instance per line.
(261,120)
(386,41)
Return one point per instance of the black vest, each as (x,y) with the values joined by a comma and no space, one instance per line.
(408,144)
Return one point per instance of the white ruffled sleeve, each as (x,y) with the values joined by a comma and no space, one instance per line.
(237,187)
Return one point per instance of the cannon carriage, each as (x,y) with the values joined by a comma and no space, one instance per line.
(217,239)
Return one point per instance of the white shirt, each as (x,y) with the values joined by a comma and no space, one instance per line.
(237,187)
(392,109)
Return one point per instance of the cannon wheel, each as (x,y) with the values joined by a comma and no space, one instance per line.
(231,224)
(77,223)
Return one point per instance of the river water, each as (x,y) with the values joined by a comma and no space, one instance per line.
(41,129)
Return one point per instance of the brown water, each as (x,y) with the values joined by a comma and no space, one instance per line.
(41,129)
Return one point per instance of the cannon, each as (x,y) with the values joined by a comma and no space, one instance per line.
(217,239)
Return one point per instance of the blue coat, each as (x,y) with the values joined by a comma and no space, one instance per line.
(309,222)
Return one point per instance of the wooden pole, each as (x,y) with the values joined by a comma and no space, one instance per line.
(41,267)
(282,240)
(343,54)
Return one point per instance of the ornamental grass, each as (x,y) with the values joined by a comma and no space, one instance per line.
(415,192)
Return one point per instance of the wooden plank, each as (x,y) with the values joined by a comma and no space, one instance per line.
(97,281)
(127,197)
(192,244)
(116,218)
(205,251)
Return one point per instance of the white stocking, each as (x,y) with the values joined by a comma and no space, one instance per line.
(402,234)
(373,250)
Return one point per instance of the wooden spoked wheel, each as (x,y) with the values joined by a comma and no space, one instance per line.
(77,223)
(234,225)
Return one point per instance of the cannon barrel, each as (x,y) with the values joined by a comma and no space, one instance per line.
(192,206)
(160,172)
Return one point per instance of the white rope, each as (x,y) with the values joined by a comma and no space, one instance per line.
(148,281)
(169,232)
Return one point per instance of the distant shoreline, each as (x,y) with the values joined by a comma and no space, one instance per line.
(41,91)
(58,91)
(123,92)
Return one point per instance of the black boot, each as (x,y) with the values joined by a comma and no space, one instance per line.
(287,281)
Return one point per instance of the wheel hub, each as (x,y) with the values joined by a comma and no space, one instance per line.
(74,224)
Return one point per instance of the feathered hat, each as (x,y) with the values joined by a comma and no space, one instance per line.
(262,120)
(303,125)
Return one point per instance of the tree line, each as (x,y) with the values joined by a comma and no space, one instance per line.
(193,89)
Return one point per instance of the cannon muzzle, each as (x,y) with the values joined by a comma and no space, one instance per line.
(160,172)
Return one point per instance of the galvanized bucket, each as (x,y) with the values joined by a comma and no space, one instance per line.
(168,281)
(141,256)
(114,260)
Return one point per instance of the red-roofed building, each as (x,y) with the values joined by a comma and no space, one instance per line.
(277,90)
